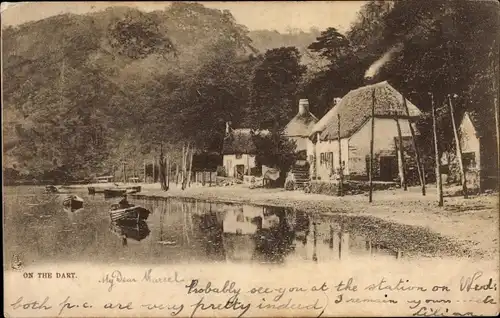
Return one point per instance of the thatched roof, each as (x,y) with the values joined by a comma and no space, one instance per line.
(355,109)
(325,120)
(301,125)
(240,141)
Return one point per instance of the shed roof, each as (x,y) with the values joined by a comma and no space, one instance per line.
(301,125)
(355,109)
(240,141)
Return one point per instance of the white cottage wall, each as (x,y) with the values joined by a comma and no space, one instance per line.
(327,154)
(468,139)
(384,132)
(231,161)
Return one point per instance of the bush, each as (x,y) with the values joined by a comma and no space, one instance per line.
(290,185)
(221,172)
(323,187)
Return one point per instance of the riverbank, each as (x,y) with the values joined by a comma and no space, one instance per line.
(472,223)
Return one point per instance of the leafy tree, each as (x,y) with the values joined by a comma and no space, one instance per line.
(276,151)
(274,87)
(137,36)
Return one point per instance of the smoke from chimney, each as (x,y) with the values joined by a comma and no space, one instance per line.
(373,70)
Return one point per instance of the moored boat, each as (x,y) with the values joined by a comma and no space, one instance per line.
(131,213)
(116,192)
(110,193)
(133,189)
(51,189)
(73,202)
(94,190)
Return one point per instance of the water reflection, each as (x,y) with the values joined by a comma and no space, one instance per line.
(130,230)
(178,231)
(243,233)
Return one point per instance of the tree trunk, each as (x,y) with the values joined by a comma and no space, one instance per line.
(420,167)
(153,163)
(184,168)
(458,149)
(176,174)
(439,183)
(190,166)
(163,181)
(168,172)
(341,169)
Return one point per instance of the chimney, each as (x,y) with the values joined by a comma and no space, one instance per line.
(303,106)
(228,127)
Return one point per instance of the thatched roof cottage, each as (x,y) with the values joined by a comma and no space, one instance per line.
(300,127)
(239,151)
(479,151)
(354,113)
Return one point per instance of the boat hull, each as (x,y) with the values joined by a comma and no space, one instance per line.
(94,190)
(117,192)
(135,213)
(73,202)
(110,193)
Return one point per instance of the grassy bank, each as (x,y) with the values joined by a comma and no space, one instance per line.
(470,223)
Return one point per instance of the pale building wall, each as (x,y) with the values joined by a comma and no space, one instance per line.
(468,139)
(302,143)
(383,142)
(231,161)
(323,168)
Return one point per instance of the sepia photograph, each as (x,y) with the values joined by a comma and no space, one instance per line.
(250,159)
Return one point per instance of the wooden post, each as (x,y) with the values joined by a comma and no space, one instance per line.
(331,237)
(370,198)
(401,155)
(439,183)
(315,255)
(420,167)
(341,172)
(495,101)
(458,150)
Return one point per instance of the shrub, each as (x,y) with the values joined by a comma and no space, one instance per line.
(290,185)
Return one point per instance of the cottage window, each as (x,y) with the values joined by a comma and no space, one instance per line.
(239,156)
(330,159)
(322,159)
(469,160)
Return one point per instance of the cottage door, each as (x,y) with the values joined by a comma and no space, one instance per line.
(388,168)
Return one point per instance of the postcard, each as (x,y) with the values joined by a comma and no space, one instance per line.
(250,159)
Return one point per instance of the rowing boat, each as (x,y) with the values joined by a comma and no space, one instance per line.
(131,213)
(73,202)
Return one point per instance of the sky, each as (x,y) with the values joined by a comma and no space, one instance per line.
(272,15)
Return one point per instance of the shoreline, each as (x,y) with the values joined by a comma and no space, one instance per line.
(471,223)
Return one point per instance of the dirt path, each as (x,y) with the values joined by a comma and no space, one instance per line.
(472,223)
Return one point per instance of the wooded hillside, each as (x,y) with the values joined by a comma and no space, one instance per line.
(82,92)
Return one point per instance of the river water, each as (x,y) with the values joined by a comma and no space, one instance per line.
(38,230)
